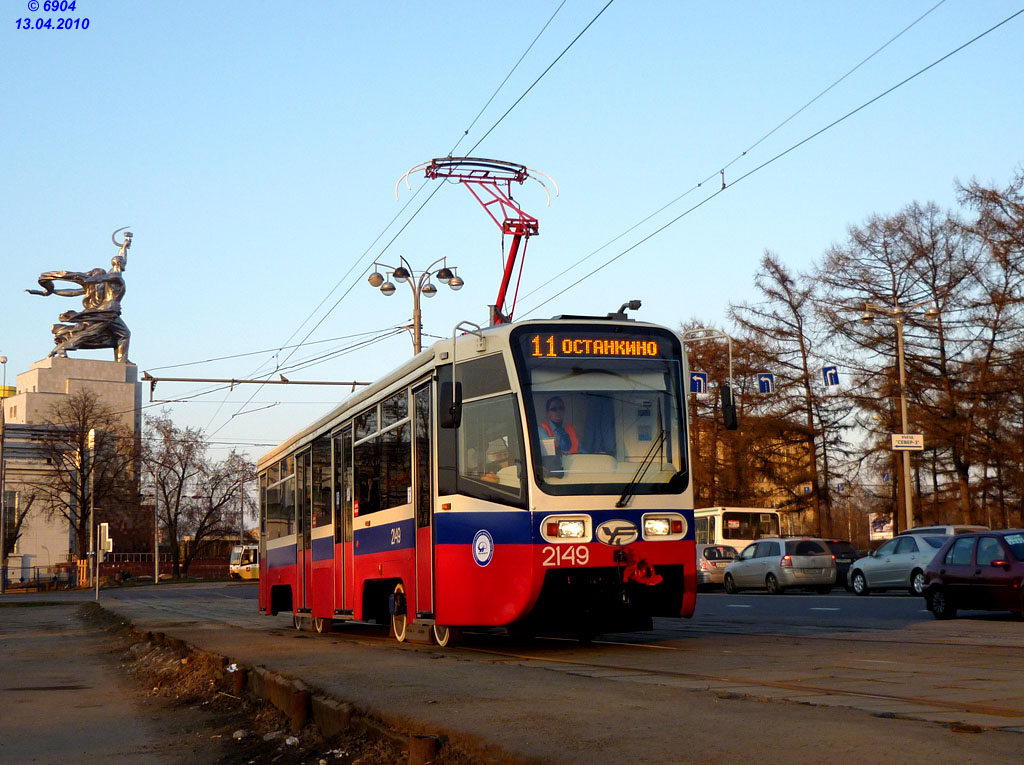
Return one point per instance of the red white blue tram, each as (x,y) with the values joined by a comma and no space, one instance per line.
(533,476)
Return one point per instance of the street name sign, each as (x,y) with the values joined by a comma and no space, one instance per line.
(907,442)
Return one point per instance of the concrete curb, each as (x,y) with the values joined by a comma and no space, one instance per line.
(303,704)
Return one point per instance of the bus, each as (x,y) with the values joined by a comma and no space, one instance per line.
(735,526)
(436,497)
(244,562)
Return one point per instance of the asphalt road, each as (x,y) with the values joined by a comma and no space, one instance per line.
(820,677)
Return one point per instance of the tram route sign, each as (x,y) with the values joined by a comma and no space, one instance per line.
(907,442)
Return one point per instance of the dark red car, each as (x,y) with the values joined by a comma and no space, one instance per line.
(977,572)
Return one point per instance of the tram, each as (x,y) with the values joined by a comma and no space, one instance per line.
(453,493)
(244,562)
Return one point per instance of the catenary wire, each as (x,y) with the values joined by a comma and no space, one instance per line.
(773,159)
(412,217)
(739,156)
(510,73)
(541,76)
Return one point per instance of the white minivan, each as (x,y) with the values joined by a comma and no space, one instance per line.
(779,563)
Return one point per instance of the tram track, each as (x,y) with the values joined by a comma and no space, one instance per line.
(1007,712)
(725,682)
(897,678)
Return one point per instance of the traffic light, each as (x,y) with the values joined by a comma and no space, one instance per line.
(106,544)
(729,408)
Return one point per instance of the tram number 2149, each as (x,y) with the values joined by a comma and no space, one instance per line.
(565,555)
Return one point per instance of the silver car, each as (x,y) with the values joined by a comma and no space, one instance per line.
(898,564)
(711,563)
(778,563)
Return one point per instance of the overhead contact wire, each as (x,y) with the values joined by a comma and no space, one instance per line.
(739,156)
(780,155)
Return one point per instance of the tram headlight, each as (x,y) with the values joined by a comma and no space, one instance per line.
(567,529)
(671,526)
(657,527)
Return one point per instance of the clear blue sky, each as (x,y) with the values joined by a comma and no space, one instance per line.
(254,149)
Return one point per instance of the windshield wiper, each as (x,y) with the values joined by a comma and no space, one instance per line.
(627,493)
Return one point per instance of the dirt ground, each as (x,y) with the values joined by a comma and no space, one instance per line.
(191,689)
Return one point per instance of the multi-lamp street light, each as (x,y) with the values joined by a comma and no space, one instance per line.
(420,283)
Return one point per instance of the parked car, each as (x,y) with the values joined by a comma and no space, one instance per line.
(845,554)
(898,564)
(944,529)
(711,563)
(778,563)
(982,571)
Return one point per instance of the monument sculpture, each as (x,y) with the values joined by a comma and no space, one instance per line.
(99,323)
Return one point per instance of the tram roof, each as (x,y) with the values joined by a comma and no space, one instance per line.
(403,374)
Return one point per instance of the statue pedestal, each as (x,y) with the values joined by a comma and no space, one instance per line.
(115,385)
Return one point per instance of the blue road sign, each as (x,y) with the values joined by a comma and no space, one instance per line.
(765,382)
(831,375)
(698,382)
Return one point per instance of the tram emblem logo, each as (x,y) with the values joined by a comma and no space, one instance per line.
(483,547)
(617,533)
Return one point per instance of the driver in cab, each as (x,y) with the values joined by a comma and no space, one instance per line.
(555,427)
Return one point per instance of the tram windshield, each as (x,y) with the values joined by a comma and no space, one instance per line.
(603,409)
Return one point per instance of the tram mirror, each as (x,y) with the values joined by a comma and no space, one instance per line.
(729,409)
(451,405)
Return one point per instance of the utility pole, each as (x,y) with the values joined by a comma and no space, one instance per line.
(156,530)
(92,508)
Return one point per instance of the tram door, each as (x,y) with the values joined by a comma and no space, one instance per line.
(423,468)
(303,567)
(343,564)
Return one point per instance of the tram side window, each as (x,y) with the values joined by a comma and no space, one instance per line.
(321,483)
(263,505)
(481,377)
(280,501)
(490,449)
(383,462)
(343,486)
(366,464)
(396,447)
(394,409)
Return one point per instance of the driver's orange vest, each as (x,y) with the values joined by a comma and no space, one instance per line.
(574,443)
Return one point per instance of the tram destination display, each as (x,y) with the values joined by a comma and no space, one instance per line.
(577,345)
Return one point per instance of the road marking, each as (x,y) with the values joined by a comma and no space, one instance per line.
(734,605)
(824,609)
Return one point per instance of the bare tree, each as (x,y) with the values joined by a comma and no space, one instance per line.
(15,513)
(784,329)
(84,476)
(199,499)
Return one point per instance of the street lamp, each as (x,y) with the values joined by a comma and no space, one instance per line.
(898,313)
(420,284)
(728,400)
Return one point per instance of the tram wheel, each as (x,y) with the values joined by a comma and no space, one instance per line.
(297,622)
(322,626)
(398,621)
(445,636)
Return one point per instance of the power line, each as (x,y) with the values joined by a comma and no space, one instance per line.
(541,77)
(258,353)
(778,156)
(420,208)
(739,156)
(511,71)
